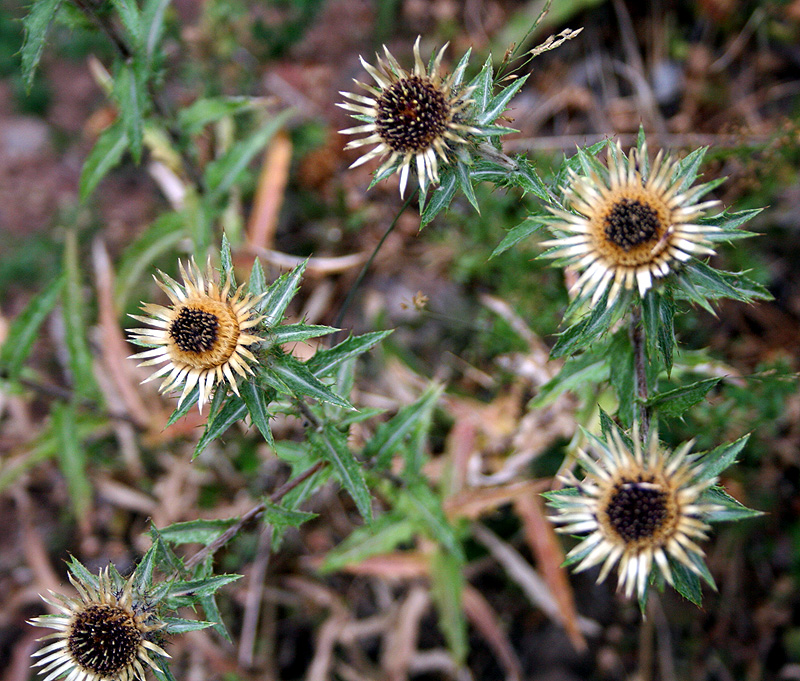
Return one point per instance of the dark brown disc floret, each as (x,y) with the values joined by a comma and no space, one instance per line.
(104,639)
(412,114)
(630,223)
(194,330)
(637,510)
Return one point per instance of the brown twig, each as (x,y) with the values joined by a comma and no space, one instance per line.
(254,599)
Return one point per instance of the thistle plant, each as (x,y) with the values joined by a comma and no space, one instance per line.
(635,234)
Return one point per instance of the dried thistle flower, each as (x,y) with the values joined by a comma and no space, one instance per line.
(104,635)
(203,336)
(630,225)
(638,510)
(411,116)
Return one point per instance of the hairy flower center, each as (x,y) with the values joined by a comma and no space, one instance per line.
(104,639)
(637,510)
(194,330)
(412,113)
(630,223)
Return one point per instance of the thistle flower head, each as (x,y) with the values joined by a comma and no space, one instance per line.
(638,509)
(202,338)
(413,117)
(103,635)
(628,224)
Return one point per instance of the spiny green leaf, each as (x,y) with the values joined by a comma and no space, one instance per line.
(608,426)
(181,411)
(183,593)
(36,24)
(531,225)
(383,535)
(447,586)
(201,112)
(129,91)
(713,283)
(257,403)
(388,437)
(528,179)
(730,509)
(106,153)
(498,104)
(382,172)
(419,503)
(717,460)
(152,27)
(465,183)
(675,402)
(258,282)
(458,72)
(196,531)
(658,312)
(619,358)
(178,625)
(483,86)
(211,610)
(729,224)
(222,173)
(226,263)
(281,517)
(440,198)
(588,330)
(25,328)
(81,574)
(305,489)
(219,422)
(325,361)
(687,168)
(165,558)
(687,583)
(162,672)
(131,19)
(492,131)
(296,333)
(300,382)
(145,568)
(279,294)
(72,458)
(73,306)
(584,370)
(332,446)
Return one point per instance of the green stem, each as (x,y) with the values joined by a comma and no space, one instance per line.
(352,292)
(104,24)
(640,371)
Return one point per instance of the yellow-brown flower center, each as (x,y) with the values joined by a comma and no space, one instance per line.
(637,510)
(631,223)
(631,226)
(412,114)
(103,639)
(203,333)
(194,330)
